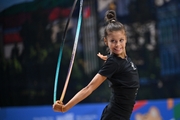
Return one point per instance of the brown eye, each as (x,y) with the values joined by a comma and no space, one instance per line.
(121,40)
(113,41)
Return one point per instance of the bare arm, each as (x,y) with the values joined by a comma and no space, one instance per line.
(81,95)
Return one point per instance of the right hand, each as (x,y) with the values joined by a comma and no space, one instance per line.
(58,106)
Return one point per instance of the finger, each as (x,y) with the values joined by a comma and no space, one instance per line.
(62,110)
(99,55)
(60,102)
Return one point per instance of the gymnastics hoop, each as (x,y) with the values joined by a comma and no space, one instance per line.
(61,51)
(73,52)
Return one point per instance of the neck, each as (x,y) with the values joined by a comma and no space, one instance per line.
(123,55)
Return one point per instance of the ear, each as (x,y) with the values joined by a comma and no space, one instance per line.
(105,41)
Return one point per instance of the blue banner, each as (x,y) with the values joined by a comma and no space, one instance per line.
(168,109)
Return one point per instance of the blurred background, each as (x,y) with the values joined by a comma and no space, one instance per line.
(31,34)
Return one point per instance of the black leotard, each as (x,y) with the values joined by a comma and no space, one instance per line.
(123,79)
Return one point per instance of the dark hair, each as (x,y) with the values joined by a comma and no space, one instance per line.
(111,23)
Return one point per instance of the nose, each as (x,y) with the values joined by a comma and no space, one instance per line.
(118,43)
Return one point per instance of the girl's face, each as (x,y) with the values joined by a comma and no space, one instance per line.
(116,41)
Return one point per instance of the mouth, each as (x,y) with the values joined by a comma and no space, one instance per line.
(118,49)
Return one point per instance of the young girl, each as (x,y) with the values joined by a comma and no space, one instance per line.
(118,69)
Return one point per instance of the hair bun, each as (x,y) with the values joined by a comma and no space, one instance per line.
(110,16)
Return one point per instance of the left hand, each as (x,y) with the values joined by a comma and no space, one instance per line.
(103,57)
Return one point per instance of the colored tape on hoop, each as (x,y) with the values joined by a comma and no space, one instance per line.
(61,51)
(73,51)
